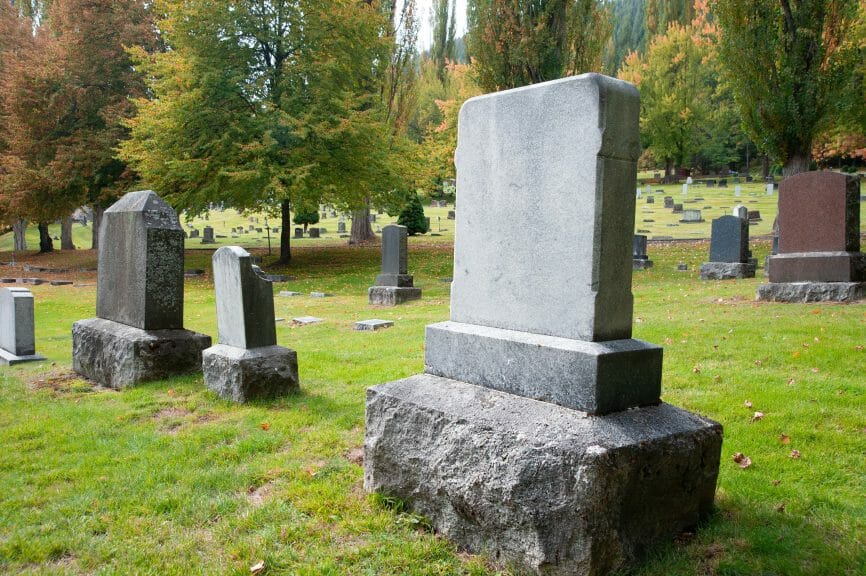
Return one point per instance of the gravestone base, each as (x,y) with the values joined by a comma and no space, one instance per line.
(553,490)
(641,264)
(801,292)
(392,295)
(9,359)
(596,377)
(118,356)
(727,270)
(399,280)
(245,374)
(818,267)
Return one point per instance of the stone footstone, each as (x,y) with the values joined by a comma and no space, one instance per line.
(289,293)
(320,295)
(532,483)
(641,264)
(241,375)
(372,325)
(119,356)
(391,295)
(727,270)
(17,337)
(304,320)
(803,292)
(61,282)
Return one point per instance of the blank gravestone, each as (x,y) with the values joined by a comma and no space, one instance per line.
(208,238)
(640,260)
(819,255)
(138,333)
(17,328)
(394,285)
(536,434)
(729,250)
(246,363)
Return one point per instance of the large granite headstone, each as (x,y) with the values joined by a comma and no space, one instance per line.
(246,363)
(17,327)
(819,255)
(394,285)
(207,237)
(729,250)
(640,260)
(138,333)
(536,434)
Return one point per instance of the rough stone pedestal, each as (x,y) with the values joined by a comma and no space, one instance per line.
(117,355)
(392,295)
(536,484)
(727,270)
(245,374)
(801,292)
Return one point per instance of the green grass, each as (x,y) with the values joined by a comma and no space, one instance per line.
(166,478)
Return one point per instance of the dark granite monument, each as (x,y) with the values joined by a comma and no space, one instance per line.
(729,250)
(138,333)
(819,255)
(640,260)
(394,285)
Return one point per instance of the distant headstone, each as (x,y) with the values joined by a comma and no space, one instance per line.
(723,183)
(677,209)
(819,255)
(341,227)
(738,190)
(689,181)
(207,237)
(313,232)
(650,200)
(770,187)
(741,211)
(193,233)
(638,193)
(394,285)
(246,363)
(685,189)
(320,295)
(546,318)
(372,218)
(640,260)
(754,216)
(299,233)
(306,320)
(17,327)
(729,250)
(452,215)
(692,217)
(710,183)
(138,334)
(669,202)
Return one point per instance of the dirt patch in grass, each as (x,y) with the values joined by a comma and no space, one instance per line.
(355,455)
(258,495)
(63,382)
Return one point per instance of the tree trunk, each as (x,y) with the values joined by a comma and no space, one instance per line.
(765,167)
(45,242)
(361,232)
(66,234)
(798,162)
(285,232)
(747,160)
(19,232)
(669,171)
(97,220)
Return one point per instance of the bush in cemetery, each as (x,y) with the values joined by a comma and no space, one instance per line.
(412,216)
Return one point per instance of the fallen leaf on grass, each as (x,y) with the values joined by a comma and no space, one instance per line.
(776,482)
(790,381)
(816,311)
(742,460)
(759,362)
(697,369)
(795,453)
(257,567)
(265,426)
(784,439)
(717,378)
(795,354)
(780,507)
(815,370)
(757,416)
(747,403)
(858,348)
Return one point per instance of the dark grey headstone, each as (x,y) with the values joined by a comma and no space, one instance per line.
(207,237)
(244,300)
(395,249)
(299,232)
(729,240)
(314,232)
(639,246)
(140,278)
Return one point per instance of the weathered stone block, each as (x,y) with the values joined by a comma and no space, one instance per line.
(818,267)
(244,300)
(802,292)
(392,295)
(241,375)
(528,482)
(16,322)
(727,270)
(595,377)
(117,355)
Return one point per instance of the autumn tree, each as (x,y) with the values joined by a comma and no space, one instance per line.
(444,30)
(65,96)
(792,68)
(520,42)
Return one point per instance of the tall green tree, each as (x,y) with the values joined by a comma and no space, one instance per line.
(659,14)
(261,104)
(520,42)
(792,67)
(444,30)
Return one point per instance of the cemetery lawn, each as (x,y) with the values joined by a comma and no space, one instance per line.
(166,478)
